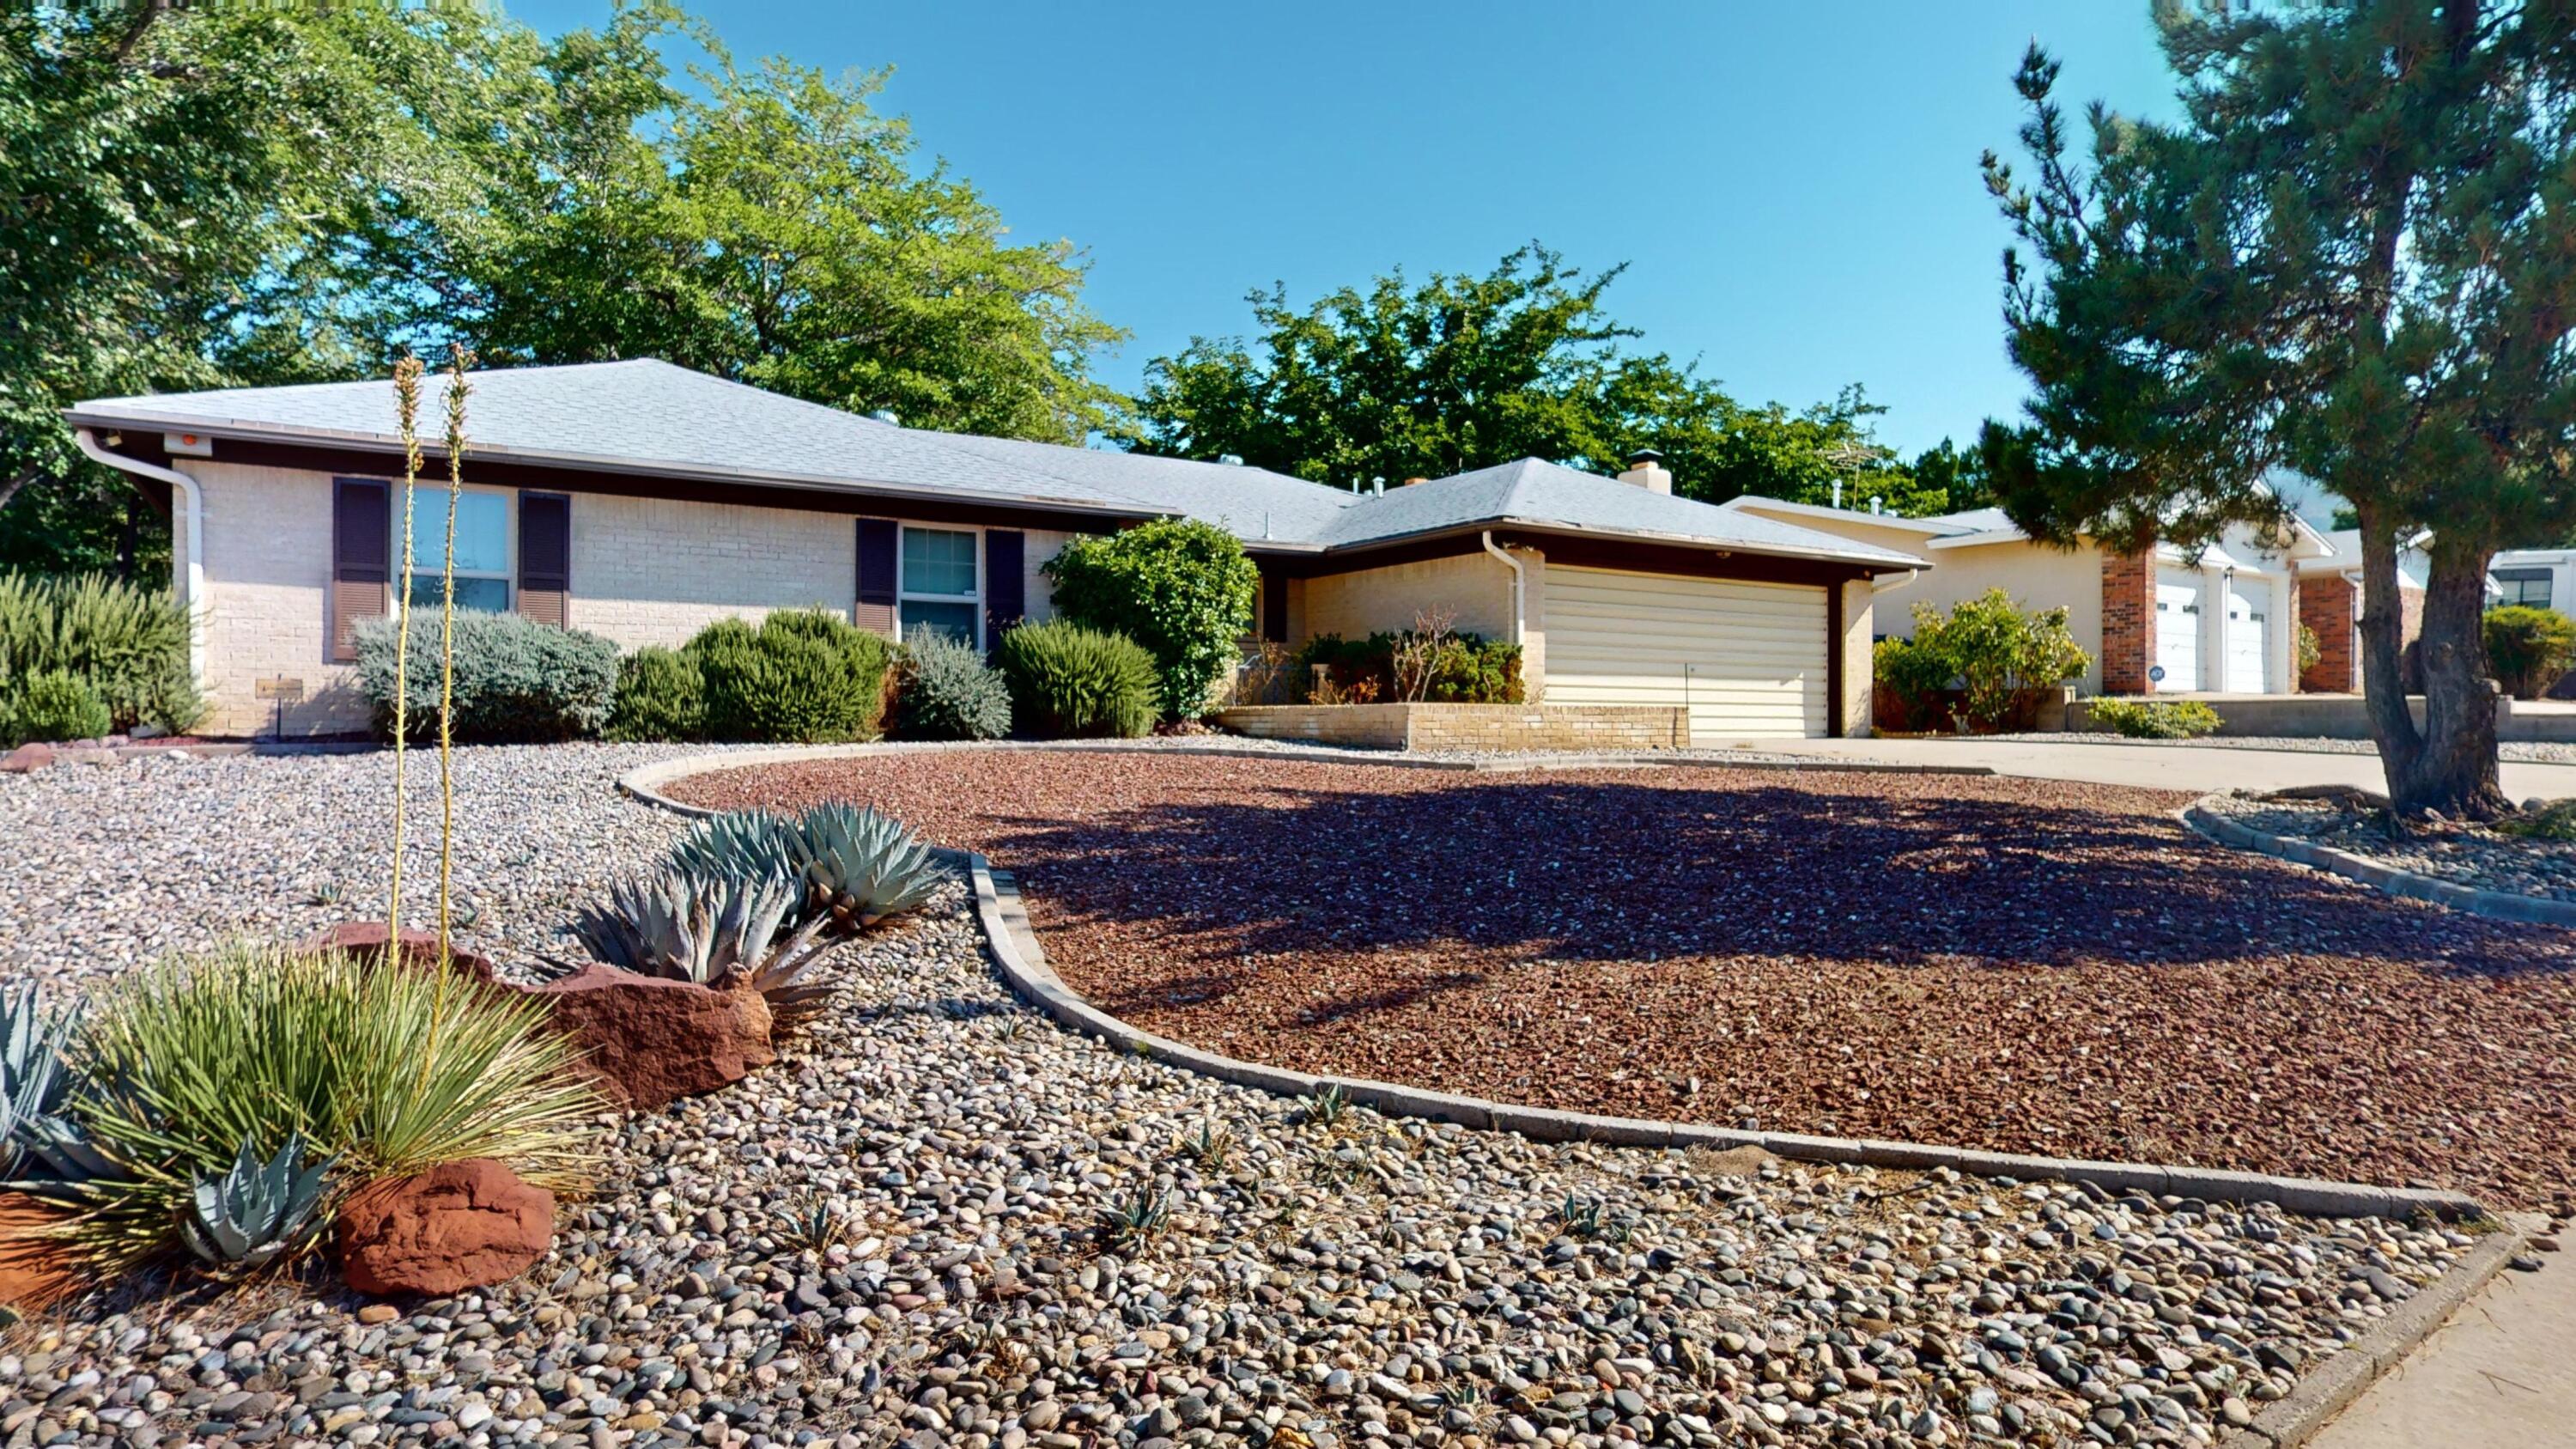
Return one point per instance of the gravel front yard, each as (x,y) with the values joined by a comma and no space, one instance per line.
(2021,965)
(1319,1285)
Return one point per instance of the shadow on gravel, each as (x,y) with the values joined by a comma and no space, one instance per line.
(1595,870)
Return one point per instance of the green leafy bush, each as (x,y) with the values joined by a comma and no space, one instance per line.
(1986,650)
(948,692)
(1463,668)
(1067,681)
(2555,820)
(661,695)
(1181,588)
(52,706)
(2155,719)
(179,1072)
(517,681)
(128,644)
(805,676)
(2529,648)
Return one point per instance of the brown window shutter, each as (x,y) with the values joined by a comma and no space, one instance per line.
(878,539)
(1006,583)
(361,559)
(545,558)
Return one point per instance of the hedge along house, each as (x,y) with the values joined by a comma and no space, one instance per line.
(642,501)
(2223,620)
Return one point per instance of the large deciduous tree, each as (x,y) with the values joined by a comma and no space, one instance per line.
(2354,255)
(1459,372)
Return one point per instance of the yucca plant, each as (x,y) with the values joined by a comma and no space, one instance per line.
(686,925)
(1134,1220)
(255,1212)
(32,1073)
(749,844)
(183,1062)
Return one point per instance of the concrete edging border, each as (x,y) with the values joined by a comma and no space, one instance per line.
(2215,826)
(644,782)
(2319,1392)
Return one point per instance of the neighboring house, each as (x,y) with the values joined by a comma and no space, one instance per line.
(2222,621)
(641,501)
(2330,605)
(2542,578)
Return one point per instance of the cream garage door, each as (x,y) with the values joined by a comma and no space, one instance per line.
(2178,630)
(1748,660)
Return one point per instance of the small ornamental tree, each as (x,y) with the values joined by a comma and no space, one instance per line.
(1181,588)
(1987,649)
(2354,256)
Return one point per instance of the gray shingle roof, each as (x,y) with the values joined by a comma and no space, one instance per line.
(652,417)
(1551,495)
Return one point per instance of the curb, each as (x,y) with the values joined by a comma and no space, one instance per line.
(2327,1388)
(644,782)
(2215,826)
(1024,966)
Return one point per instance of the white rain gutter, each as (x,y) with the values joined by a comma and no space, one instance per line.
(1878,586)
(188,516)
(1520,586)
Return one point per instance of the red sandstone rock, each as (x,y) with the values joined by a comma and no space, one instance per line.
(419,948)
(26,759)
(652,1041)
(465,1225)
(34,1272)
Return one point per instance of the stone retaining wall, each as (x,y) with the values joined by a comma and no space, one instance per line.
(1466,726)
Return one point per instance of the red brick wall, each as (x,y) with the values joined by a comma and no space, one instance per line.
(2128,622)
(2327,605)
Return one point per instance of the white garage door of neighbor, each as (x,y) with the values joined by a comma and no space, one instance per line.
(2178,629)
(2249,643)
(1747,659)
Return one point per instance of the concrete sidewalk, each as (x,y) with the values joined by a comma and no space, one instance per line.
(2500,1375)
(2199,769)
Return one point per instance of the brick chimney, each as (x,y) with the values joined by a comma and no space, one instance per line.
(1646,469)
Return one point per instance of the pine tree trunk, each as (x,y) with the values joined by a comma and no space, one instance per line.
(2450,765)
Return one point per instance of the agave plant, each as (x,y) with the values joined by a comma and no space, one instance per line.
(257,1211)
(858,867)
(750,844)
(33,1076)
(688,925)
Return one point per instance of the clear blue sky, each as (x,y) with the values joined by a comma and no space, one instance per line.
(1794,187)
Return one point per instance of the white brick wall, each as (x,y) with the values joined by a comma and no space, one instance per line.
(644,571)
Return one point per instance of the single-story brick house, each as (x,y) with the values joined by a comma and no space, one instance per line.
(640,501)
(2222,621)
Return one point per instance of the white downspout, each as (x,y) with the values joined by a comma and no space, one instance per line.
(188,516)
(1883,583)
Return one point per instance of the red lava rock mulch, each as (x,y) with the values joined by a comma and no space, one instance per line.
(2021,965)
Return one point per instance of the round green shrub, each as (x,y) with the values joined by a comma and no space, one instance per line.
(661,695)
(56,705)
(2155,719)
(127,642)
(517,681)
(1067,681)
(948,692)
(805,676)
(1181,588)
(2529,648)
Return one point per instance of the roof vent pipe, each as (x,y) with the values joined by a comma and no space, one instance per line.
(1838,493)
(1231,460)
(887,417)
(1877,504)
(1377,487)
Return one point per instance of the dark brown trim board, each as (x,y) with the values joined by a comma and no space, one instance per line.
(1836,725)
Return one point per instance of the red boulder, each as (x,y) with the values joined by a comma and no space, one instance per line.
(653,1041)
(26,759)
(35,1271)
(465,1225)
(366,939)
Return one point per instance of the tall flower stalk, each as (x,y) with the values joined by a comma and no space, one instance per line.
(407,418)
(458,359)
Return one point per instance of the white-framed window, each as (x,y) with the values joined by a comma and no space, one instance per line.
(2527,588)
(940,582)
(483,573)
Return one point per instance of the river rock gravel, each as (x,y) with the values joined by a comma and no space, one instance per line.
(939,1220)
(2460,851)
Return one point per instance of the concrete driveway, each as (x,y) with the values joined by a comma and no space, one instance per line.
(2200,768)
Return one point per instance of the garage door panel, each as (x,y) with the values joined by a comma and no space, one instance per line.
(1747,659)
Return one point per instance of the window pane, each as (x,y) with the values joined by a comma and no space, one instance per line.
(937,561)
(482,531)
(490,595)
(957,621)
